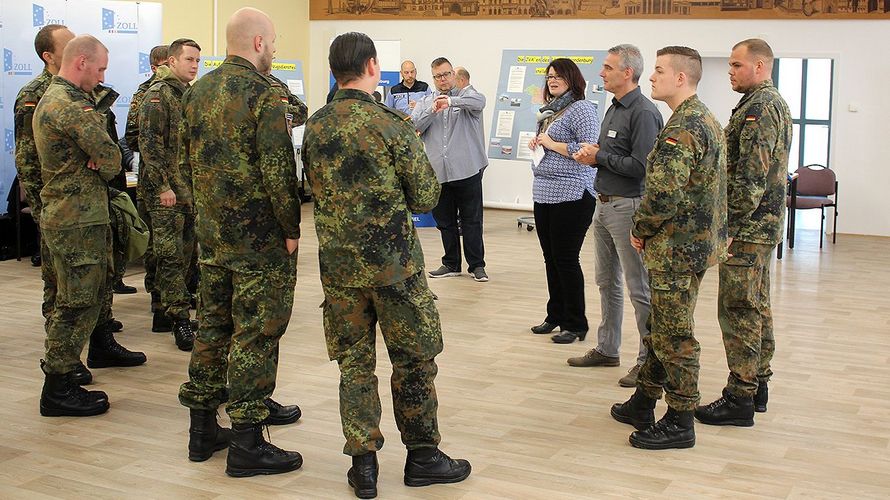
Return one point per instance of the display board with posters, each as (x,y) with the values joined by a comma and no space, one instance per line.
(128,29)
(521,94)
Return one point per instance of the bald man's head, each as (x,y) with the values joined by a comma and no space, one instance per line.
(250,34)
(84,62)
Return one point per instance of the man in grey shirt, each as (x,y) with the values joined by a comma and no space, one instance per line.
(450,124)
(627,136)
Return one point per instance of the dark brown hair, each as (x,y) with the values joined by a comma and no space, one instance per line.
(568,71)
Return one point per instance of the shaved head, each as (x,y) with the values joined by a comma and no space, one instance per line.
(87,46)
(250,34)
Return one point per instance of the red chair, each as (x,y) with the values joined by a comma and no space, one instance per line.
(814,187)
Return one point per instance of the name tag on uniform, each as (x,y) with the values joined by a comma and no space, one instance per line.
(613,134)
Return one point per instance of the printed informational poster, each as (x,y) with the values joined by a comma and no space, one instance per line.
(521,94)
(128,29)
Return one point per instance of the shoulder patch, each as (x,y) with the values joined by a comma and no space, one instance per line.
(30,104)
(87,108)
(672,141)
(155,99)
(751,118)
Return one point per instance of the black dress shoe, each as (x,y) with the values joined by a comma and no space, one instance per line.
(676,429)
(728,410)
(427,466)
(638,411)
(120,287)
(280,414)
(544,327)
(761,397)
(362,476)
(567,337)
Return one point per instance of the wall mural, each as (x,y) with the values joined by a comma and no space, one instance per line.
(596,9)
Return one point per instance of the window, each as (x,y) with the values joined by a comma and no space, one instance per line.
(807,84)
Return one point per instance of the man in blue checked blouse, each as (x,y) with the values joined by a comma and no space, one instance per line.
(563,196)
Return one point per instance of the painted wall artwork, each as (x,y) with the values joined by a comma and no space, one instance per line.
(599,9)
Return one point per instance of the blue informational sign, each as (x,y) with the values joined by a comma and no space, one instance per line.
(128,29)
(521,94)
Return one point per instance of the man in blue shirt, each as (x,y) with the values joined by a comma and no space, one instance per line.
(405,94)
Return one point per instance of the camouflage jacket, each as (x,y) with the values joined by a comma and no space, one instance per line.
(758,140)
(295,107)
(131,132)
(68,133)
(26,161)
(234,139)
(682,216)
(159,116)
(368,172)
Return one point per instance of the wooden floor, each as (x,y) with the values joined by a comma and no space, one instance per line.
(532,426)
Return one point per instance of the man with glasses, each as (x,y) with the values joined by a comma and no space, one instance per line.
(450,124)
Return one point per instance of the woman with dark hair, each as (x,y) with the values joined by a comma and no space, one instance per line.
(564,196)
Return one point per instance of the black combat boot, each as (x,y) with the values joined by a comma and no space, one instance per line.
(105,352)
(114,325)
(362,476)
(205,435)
(155,301)
(676,429)
(728,410)
(761,397)
(183,335)
(160,323)
(280,414)
(638,411)
(81,375)
(426,466)
(61,397)
(250,454)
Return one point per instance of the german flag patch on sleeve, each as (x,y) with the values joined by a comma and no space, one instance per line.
(30,104)
(155,99)
(671,141)
(87,108)
(751,118)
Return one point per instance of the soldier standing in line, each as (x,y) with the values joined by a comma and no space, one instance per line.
(167,185)
(680,226)
(758,140)
(368,172)
(234,138)
(49,43)
(77,160)
(158,58)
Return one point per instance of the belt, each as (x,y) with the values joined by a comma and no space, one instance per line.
(605,198)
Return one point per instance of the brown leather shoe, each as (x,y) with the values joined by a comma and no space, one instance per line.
(630,380)
(594,358)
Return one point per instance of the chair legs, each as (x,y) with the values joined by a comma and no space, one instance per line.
(834,227)
(821,227)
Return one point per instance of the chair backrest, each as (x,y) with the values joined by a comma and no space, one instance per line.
(815,180)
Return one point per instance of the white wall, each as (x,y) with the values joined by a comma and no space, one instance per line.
(859,149)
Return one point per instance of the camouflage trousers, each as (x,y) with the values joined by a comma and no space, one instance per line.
(673,352)
(410,326)
(743,309)
(81,259)
(148,259)
(243,314)
(173,241)
(48,274)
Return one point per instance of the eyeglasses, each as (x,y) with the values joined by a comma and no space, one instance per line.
(441,76)
(554,77)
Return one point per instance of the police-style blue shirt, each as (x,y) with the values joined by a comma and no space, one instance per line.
(399,95)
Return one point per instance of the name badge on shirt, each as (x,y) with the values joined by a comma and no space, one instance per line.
(613,134)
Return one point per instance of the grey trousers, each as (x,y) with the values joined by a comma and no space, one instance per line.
(617,261)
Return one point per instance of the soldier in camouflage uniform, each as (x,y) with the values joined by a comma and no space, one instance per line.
(77,160)
(167,186)
(758,141)
(49,43)
(295,107)
(158,58)
(234,138)
(680,226)
(368,171)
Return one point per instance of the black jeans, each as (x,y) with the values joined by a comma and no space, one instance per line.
(462,199)
(561,229)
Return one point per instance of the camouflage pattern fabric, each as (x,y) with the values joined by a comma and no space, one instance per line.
(368,172)
(758,139)
(745,315)
(131,132)
(234,138)
(682,220)
(26,160)
(243,314)
(672,361)
(410,325)
(295,107)
(80,257)
(149,260)
(68,133)
(173,234)
(682,216)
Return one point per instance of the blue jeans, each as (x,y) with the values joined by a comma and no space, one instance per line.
(612,223)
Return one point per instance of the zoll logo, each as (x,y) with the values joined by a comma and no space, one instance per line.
(42,17)
(112,23)
(13,67)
